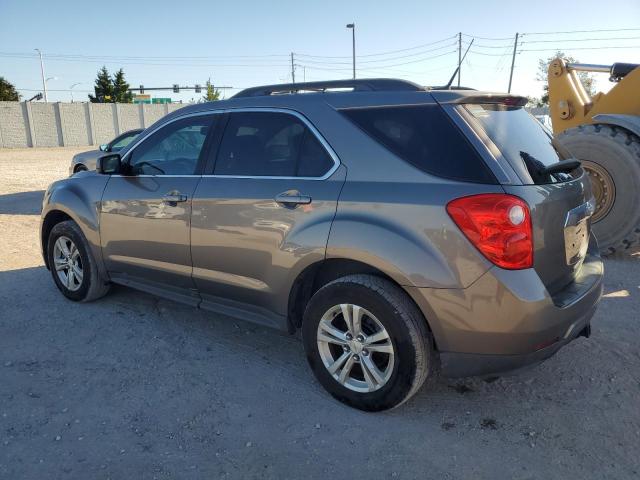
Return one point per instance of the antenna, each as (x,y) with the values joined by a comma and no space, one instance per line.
(448,85)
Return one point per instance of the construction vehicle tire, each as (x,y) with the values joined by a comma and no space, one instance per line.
(611,157)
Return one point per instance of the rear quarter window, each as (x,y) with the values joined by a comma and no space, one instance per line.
(425,137)
(525,143)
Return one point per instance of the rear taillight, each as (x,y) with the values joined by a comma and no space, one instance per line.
(498,225)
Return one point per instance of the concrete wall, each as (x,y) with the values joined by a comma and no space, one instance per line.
(39,124)
(14,125)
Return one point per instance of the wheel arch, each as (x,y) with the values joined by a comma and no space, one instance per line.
(79,202)
(50,220)
(631,123)
(318,274)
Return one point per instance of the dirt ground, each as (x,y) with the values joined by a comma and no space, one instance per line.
(134,386)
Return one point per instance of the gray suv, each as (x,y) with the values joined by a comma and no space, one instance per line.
(403,230)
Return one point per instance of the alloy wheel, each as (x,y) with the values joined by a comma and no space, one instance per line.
(355,348)
(68,263)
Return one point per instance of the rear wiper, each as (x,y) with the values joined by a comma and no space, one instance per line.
(562,166)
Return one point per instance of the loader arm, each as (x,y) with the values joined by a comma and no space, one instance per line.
(570,105)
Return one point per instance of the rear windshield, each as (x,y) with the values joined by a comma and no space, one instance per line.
(425,137)
(526,144)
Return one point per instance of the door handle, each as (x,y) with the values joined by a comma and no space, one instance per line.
(292,198)
(173,198)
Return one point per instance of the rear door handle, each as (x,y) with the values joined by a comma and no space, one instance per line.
(292,198)
(173,198)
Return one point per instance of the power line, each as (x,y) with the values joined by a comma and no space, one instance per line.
(579,48)
(403,63)
(584,31)
(175,64)
(389,59)
(503,45)
(128,57)
(384,70)
(561,40)
(486,38)
(389,52)
(54,90)
(490,54)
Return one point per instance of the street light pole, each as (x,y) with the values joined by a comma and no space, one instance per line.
(44,83)
(71,89)
(352,26)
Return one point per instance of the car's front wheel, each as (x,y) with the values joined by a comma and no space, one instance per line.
(366,342)
(72,265)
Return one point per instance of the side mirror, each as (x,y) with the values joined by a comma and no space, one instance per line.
(104,147)
(109,164)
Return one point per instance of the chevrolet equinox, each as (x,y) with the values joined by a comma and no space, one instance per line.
(404,230)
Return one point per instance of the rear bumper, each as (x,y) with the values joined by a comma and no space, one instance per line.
(507,319)
(469,364)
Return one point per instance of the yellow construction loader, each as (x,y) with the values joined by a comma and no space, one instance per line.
(603,132)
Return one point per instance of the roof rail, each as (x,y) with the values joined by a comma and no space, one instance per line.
(362,85)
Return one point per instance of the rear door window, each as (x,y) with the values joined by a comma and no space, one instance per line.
(425,137)
(522,140)
(271,144)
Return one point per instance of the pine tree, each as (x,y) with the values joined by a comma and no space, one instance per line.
(121,93)
(103,88)
(8,92)
(212,94)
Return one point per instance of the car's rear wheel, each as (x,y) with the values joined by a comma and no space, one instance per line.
(72,265)
(366,342)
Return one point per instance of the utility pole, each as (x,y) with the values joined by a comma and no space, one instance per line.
(44,82)
(352,26)
(293,70)
(513,61)
(459,55)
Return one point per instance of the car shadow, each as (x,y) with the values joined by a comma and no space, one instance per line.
(22,203)
(196,339)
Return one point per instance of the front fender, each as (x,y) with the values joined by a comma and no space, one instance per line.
(77,198)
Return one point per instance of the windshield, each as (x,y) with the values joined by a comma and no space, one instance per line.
(526,144)
(123,141)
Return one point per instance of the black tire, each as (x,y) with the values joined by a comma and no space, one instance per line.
(400,317)
(92,286)
(617,152)
(80,168)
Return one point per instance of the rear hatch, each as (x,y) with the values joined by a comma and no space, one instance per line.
(558,194)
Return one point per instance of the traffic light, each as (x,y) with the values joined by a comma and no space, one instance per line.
(141,89)
(198,88)
(176,88)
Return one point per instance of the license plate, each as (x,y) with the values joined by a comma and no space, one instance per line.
(576,232)
(576,241)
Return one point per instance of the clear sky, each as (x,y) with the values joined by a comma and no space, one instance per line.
(247,43)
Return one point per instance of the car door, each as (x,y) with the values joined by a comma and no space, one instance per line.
(263,211)
(146,212)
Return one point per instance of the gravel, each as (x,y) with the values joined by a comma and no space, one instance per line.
(134,386)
